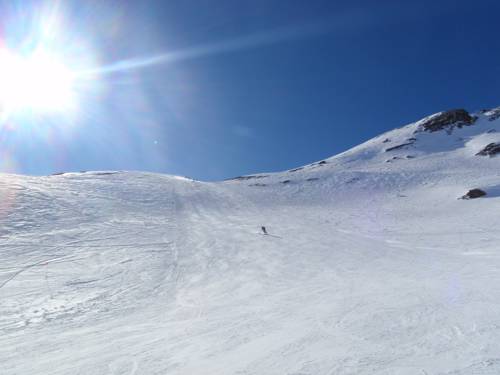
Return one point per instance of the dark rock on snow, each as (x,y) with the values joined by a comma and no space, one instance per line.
(493,114)
(490,150)
(249,177)
(448,120)
(474,193)
(399,146)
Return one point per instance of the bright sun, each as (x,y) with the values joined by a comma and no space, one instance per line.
(38,82)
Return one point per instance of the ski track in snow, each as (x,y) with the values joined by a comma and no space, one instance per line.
(370,268)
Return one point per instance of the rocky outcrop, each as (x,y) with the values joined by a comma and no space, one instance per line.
(249,177)
(492,114)
(399,146)
(447,120)
(490,150)
(474,193)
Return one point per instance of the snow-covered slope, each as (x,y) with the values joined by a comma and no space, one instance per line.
(372,265)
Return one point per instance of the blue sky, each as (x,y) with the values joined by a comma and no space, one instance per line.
(215,89)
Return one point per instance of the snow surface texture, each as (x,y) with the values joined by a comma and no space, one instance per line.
(372,266)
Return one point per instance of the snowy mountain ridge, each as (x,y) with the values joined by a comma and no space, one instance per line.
(411,150)
(371,266)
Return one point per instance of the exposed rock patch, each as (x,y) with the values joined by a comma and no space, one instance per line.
(393,158)
(447,121)
(400,146)
(490,150)
(474,193)
(249,177)
(493,114)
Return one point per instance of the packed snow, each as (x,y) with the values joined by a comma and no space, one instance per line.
(371,266)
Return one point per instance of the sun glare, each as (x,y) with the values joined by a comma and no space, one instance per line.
(38,82)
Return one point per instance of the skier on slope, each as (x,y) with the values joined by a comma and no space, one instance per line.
(264,229)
